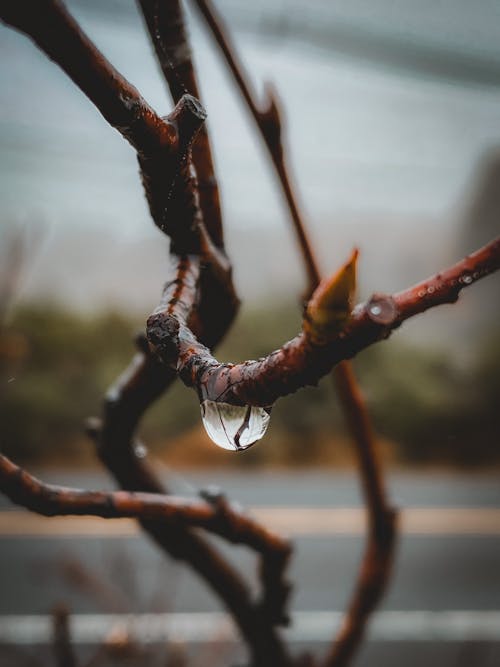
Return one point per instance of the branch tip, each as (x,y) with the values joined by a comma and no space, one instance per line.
(330,306)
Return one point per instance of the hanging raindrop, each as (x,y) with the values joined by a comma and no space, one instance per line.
(234,427)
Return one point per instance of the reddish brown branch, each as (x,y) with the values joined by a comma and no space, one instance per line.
(128,398)
(262,382)
(165,22)
(380,541)
(218,517)
(269,123)
(55,31)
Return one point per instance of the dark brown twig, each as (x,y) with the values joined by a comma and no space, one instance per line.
(165,23)
(55,31)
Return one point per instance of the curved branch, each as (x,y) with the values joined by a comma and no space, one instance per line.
(377,559)
(165,23)
(56,33)
(219,517)
(300,362)
(269,123)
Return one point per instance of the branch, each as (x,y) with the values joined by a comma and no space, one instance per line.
(382,524)
(136,389)
(262,382)
(269,123)
(165,23)
(63,650)
(218,302)
(218,517)
(56,33)
(380,538)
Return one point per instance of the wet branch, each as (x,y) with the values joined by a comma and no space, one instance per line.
(263,381)
(166,25)
(135,390)
(56,33)
(380,538)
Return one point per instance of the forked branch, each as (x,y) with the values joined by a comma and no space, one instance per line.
(379,542)
(300,361)
(215,515)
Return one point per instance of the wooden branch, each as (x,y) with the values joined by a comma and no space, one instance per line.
(56,33)
(377,559)
(165,23)
(136,389)
(217,516)
(262,382)
(269,123)
(379,550)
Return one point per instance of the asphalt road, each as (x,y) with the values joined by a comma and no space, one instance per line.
(447,565)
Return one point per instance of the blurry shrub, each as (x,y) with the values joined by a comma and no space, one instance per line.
(56,366)
(433,408)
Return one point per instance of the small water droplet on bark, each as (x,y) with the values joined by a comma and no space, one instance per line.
(382,309)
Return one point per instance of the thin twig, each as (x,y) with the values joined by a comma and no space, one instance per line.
(269,123)
(377,559)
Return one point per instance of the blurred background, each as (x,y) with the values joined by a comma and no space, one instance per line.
(393,134)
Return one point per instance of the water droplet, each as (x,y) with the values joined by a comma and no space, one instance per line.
(382,309)
(234,427)
(140,451)
(375,310)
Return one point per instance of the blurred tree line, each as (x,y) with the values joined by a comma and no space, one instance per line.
(56,365)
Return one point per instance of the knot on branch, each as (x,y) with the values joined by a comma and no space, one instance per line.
(228,518)
(382,309)
(163,334)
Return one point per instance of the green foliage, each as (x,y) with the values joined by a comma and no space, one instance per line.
(55,367)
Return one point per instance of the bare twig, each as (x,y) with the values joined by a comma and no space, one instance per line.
(55,31)
(270,125)
(380,541)
(143,382)
(217,516)
(165,22)
(263,381)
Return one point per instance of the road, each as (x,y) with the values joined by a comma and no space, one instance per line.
(443,606)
